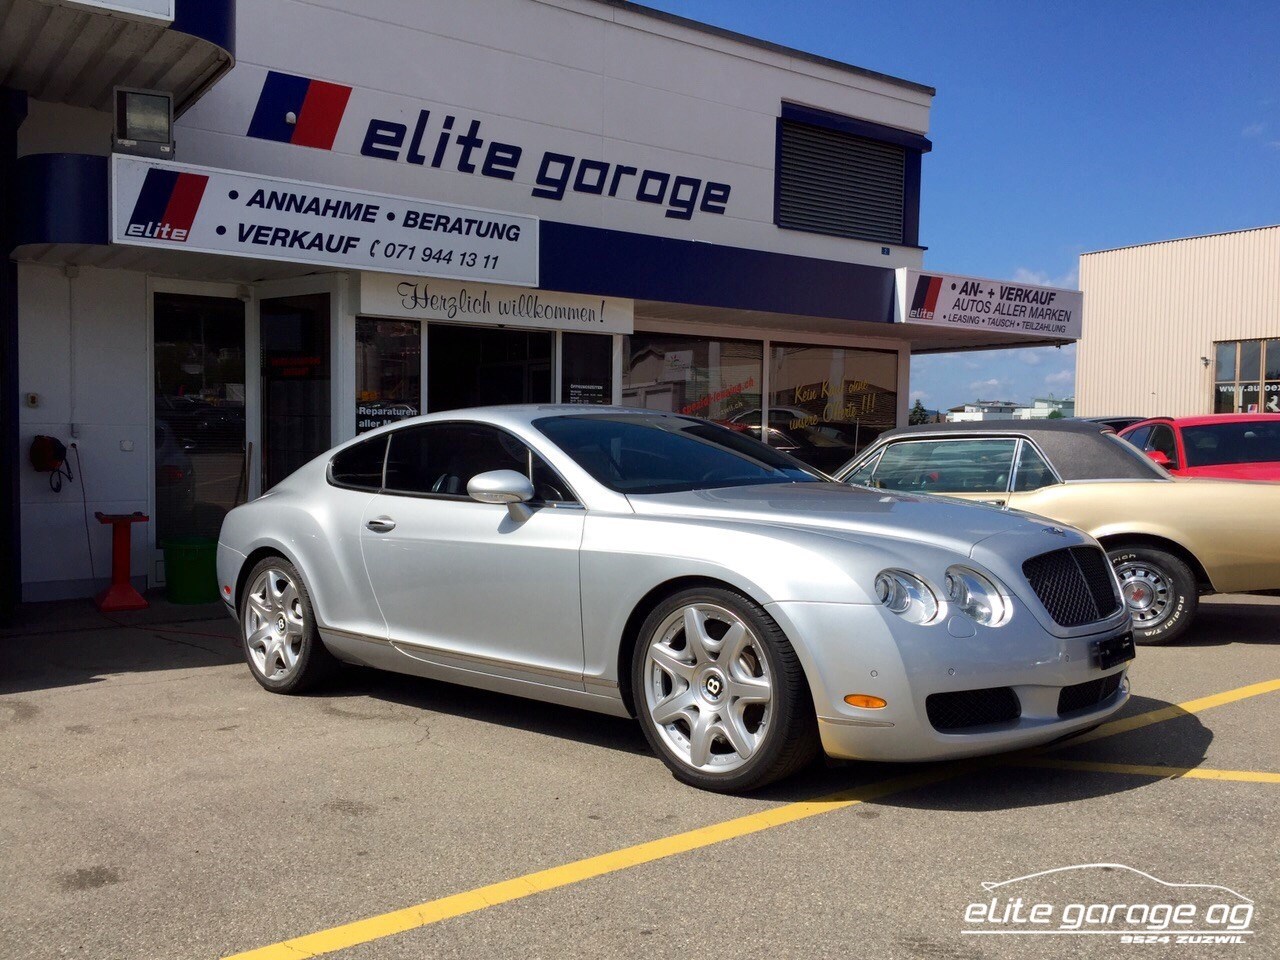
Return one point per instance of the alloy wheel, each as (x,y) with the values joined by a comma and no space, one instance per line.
(274,624)
(708,688)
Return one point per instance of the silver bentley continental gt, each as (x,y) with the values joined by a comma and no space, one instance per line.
(748,611)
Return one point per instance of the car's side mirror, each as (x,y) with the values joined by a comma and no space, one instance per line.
(503,486)
(1160,457)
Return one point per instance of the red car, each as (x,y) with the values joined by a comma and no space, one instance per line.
(1239,446)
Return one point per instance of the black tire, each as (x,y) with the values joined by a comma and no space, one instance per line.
(1183,592)
(314,663)
(789,741)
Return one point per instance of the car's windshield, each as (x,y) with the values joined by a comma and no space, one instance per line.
(1249,442)
(639,454)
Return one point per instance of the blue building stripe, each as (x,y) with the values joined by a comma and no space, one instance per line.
(282,93)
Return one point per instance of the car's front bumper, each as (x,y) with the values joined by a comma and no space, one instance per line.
(860,649)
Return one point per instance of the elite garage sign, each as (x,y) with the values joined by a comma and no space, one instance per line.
(181,207)
(311,113)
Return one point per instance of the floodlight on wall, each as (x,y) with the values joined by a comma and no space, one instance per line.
(143,123)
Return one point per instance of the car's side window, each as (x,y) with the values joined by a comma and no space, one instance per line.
(864,473)
(1033,472)
(946,466)
(441,458)
(1162,439)
(359,467)
(1139,437)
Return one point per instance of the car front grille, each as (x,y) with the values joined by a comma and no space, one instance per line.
(1082,696)
(956,711)
(1075,584)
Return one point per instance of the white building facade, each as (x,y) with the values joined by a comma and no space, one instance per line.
(380,209)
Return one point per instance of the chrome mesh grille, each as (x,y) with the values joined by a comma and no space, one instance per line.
(1081,696)
(1075,584)
(961,709)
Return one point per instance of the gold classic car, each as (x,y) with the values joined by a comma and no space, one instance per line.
(1171,540)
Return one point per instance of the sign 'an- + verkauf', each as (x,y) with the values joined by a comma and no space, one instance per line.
(203,210)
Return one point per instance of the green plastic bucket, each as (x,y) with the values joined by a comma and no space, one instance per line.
(191,569)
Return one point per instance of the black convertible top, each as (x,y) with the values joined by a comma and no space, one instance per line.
(1077,449)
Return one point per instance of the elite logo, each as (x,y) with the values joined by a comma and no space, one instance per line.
(167,205)
(925,300)
(316,106)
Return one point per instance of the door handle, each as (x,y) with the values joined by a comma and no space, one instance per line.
(381,524)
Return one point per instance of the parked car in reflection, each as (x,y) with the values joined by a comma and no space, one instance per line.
(748,611)
(1171,540)
(824,444)
(1240,446)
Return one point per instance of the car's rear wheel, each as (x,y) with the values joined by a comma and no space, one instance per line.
(1160,591)
(720,692)
(278,630)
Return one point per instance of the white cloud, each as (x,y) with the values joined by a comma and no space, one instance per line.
(1061,378)
(920,395)
(987,385)
(1254,129)
(1070,280)
(1030,357)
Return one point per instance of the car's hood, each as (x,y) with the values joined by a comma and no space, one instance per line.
(842,509)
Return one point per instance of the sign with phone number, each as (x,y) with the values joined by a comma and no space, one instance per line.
(175,206)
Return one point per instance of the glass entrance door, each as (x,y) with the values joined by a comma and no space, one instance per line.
(478,366)
(198,371)
(296,377)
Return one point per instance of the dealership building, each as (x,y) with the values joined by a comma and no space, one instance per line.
(1182,327)
(365,211)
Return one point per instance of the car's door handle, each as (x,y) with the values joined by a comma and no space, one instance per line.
(994,503)
(381,524)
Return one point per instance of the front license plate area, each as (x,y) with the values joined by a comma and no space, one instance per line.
(1112,651)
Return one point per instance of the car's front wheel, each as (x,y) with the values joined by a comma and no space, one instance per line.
(720,692)
(1159,590)
(278,630)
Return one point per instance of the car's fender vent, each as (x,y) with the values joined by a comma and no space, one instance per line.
(1082,696)
(1075,585)
(958,710)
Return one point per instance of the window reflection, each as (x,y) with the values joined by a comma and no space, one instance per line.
(713,379)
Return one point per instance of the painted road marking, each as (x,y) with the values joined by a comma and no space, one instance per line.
(1144,770)
(481,898)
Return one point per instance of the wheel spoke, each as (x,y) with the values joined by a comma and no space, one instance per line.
(695,634)
(673,707)
(666,658)
(733,643)
(750,689)
(275,592)
(260,637)
(257,605)
(701,735)
(735,731)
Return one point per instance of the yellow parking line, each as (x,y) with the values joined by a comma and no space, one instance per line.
(434,911)
(1141,720)
(1145,770)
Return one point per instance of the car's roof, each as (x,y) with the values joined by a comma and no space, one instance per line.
(1077,449)
(1206,419)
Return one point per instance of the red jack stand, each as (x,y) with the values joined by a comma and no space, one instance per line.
(121,595)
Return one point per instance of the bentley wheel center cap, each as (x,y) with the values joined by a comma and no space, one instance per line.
(713,686)
(280,624)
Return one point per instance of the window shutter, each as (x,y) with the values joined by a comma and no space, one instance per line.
(840,184)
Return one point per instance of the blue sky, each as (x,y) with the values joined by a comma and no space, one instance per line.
(1058,128)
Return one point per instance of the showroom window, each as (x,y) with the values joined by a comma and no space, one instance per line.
(1246,376)
(828,403)
(713,379)
(388,372)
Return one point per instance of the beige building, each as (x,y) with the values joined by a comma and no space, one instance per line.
(1182,327)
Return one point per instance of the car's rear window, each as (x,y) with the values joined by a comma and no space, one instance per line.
(639,454)
(1241,442)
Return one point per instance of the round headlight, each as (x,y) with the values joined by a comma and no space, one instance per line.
(906,595)
(977,597)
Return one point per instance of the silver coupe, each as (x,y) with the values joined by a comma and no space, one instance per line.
(748,611)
